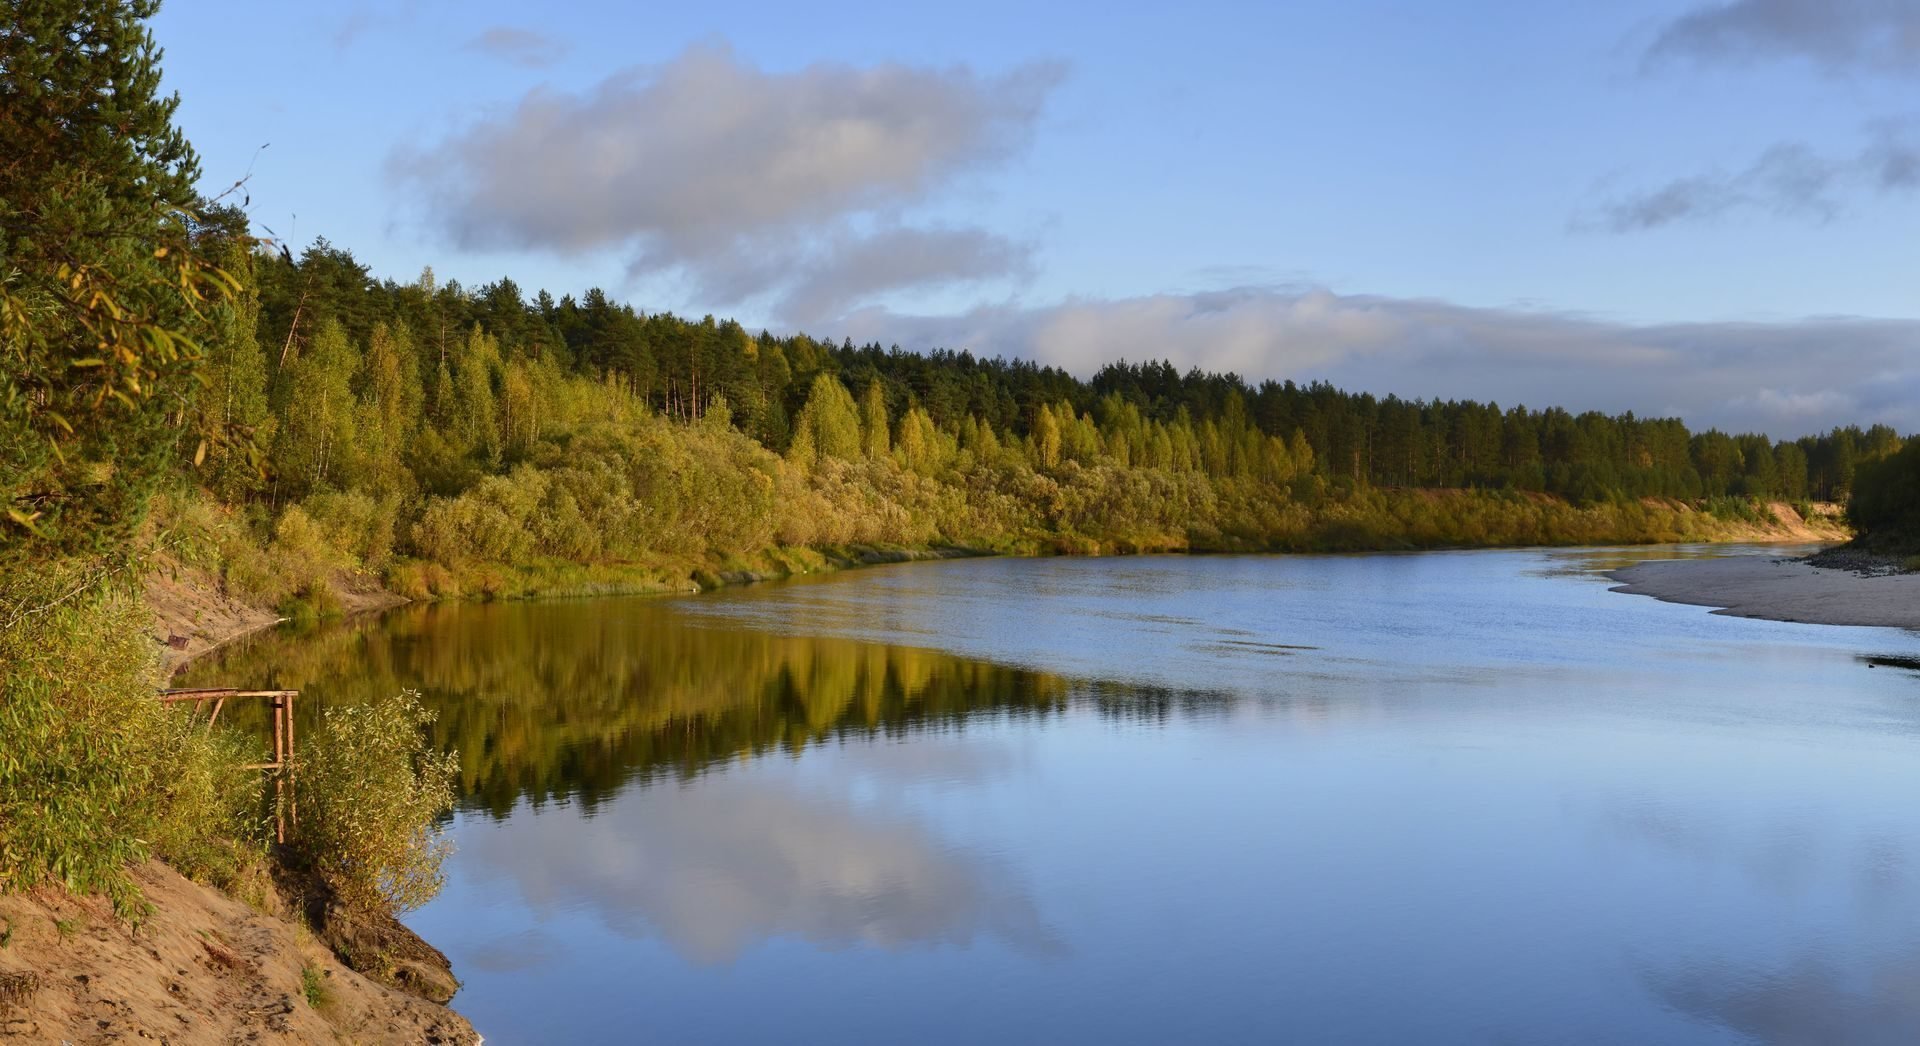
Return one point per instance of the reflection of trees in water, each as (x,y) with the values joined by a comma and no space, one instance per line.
(576,699)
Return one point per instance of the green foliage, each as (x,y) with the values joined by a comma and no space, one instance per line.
(370,792)
(210,827)
(94,772)
(313,986)
(105,283)
(508,437)
(316,449)
(231,420)
(828,426)
(1886,497)
(874,438)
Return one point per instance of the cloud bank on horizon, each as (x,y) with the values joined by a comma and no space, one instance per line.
(1786,379)
(805,194)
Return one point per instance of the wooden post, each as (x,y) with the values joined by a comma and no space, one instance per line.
(293,796)
(279,779)
(280,707)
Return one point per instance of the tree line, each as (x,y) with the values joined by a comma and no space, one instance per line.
(468,368)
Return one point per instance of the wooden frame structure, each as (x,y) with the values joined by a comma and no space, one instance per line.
(285,808)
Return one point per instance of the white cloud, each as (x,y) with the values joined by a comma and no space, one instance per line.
(742,179)
(1787,180)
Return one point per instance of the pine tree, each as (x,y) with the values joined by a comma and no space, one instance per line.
(104,288)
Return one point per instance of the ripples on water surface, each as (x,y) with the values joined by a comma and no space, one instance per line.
(1452,797)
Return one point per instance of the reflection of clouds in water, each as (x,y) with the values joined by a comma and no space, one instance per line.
(1812,1002)
(725,864)
(511,954)
(1781,855)
(1786,855)
(1860,995)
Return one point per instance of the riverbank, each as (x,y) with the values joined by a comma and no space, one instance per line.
(270,958)
(194,614)
(224,595)
(1779,589)
(201,967)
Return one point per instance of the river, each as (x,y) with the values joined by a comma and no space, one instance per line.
(1464,797)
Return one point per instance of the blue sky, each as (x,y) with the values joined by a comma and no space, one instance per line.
(1690,207)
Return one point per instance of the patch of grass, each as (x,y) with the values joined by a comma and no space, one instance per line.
(313,985)
(67,928)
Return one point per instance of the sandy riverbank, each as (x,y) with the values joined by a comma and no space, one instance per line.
(203,966)
(1778,589)
(193,615)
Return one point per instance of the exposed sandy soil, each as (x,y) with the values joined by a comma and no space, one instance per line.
(1778,590)
(193,615)
(1792,528)
(204,968)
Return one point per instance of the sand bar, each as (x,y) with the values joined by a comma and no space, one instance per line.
(1778,589)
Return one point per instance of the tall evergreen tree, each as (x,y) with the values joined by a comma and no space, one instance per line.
(103,283)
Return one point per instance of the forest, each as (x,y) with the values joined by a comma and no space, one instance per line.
(489,442)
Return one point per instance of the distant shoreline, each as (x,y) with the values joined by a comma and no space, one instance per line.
(1776,589)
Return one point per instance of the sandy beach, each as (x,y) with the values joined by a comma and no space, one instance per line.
(1778,589)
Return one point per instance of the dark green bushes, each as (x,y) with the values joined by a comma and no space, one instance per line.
(1885,506)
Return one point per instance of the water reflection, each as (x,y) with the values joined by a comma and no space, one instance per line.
(1812,1002)
(575,700)
(717,869)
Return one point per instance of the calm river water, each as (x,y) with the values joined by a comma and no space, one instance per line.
(1443,798)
